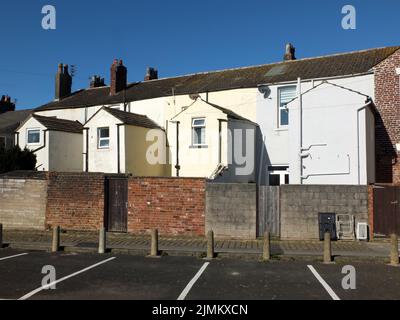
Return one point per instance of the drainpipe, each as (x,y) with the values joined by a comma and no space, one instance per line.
(118,147)
(177,166)
(17,139)
(300,157)
(368,102)
(87,150)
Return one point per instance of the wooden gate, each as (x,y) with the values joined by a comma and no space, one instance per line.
(116,215)
(268,211)
(386,210)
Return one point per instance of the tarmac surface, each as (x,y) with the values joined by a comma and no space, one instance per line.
(87,276)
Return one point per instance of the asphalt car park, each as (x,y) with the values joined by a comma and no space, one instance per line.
(87,276)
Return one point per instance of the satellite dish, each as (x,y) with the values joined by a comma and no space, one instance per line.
(265,90)
(194,97)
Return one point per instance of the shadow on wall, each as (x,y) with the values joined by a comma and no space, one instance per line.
(386,156)
(262,159)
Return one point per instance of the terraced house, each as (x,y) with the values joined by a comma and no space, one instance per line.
(324,120)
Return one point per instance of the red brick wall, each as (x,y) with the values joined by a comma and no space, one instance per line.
(174,206)
(387,100)
(75,201)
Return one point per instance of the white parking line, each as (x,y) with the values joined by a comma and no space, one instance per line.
(15,256)
(47,286)
(324,284)
(192,282)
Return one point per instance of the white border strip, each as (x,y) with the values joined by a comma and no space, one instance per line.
(324,284)
(15,256)
(192,282)
(47,286)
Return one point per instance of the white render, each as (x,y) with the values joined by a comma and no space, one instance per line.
(56,150)
(329,117)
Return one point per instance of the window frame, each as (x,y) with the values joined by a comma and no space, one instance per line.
(195,126)
(280,107)
(100,139)
(28,131)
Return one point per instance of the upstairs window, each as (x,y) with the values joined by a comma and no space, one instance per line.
(103,138)
(286,94)
(33,136)
(199,132)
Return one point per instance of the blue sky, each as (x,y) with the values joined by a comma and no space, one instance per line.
(177,36)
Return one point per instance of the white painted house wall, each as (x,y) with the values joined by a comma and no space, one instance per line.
(42,156)
(328,113)
(105,160)
(274,144)
(330,118)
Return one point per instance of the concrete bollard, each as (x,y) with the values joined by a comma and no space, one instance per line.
(394,250)
(210,245)
(154,243)
(267,246)
(56,239)
(327,248)
(1,236)
(102,241)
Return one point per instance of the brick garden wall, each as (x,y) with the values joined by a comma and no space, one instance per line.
(75,201)
(232,210)
(300,206)
(23,203)
(174,206)
(387,100)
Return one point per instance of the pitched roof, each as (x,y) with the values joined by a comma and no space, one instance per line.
(55,124)
(345,64)
(132,119)
(10,121)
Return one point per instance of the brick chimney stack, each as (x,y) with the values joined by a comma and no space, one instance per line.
(290,52)
(63,82)
(6,105)
(97,82)
(151,74)
(119,77)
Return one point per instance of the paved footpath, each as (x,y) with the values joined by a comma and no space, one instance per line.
(87,241)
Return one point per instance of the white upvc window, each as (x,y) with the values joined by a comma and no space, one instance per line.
(33,136)
(198,131)
(286,94)
(103,138)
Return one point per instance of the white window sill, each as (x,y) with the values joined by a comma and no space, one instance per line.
(281,129)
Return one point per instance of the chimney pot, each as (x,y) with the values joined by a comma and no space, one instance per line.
(118,77)
(151,74)
(290,52)
(6,105)
(63,85)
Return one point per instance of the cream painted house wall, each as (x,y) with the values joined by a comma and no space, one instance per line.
(137,148)
(202,161)
(65,151)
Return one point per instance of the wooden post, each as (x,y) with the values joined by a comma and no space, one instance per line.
(267,246)
(102,241)
(56,239)
(327,248)
(210,245)
(154,243)
(394,250)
